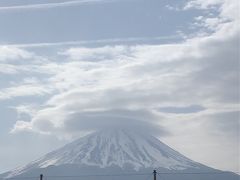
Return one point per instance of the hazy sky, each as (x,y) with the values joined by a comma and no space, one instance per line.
(68,67)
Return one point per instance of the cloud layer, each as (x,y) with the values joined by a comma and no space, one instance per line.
(94,81)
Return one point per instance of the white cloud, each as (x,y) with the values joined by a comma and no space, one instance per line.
(13,54)
(28,89)
(22,126)
(95,54)
(150,76)
(226,16)
(202,4)
(8,69)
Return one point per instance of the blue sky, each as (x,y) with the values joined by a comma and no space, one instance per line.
(93,21)
(71,67)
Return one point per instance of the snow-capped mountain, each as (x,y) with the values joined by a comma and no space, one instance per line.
(108,149)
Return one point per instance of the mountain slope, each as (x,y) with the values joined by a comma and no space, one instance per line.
(111,151)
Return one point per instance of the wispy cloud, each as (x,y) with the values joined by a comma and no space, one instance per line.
(100,41)
(52,5)
(24,90)
(202,4)
(27,87)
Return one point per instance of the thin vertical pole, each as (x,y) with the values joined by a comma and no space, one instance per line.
(41,177)
(154,174)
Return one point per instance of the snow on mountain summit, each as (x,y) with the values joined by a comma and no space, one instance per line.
(119,148)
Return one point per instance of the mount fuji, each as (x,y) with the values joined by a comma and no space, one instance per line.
(117,152)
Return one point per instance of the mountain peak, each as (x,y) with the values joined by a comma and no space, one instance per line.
(112,151)
(114,148)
